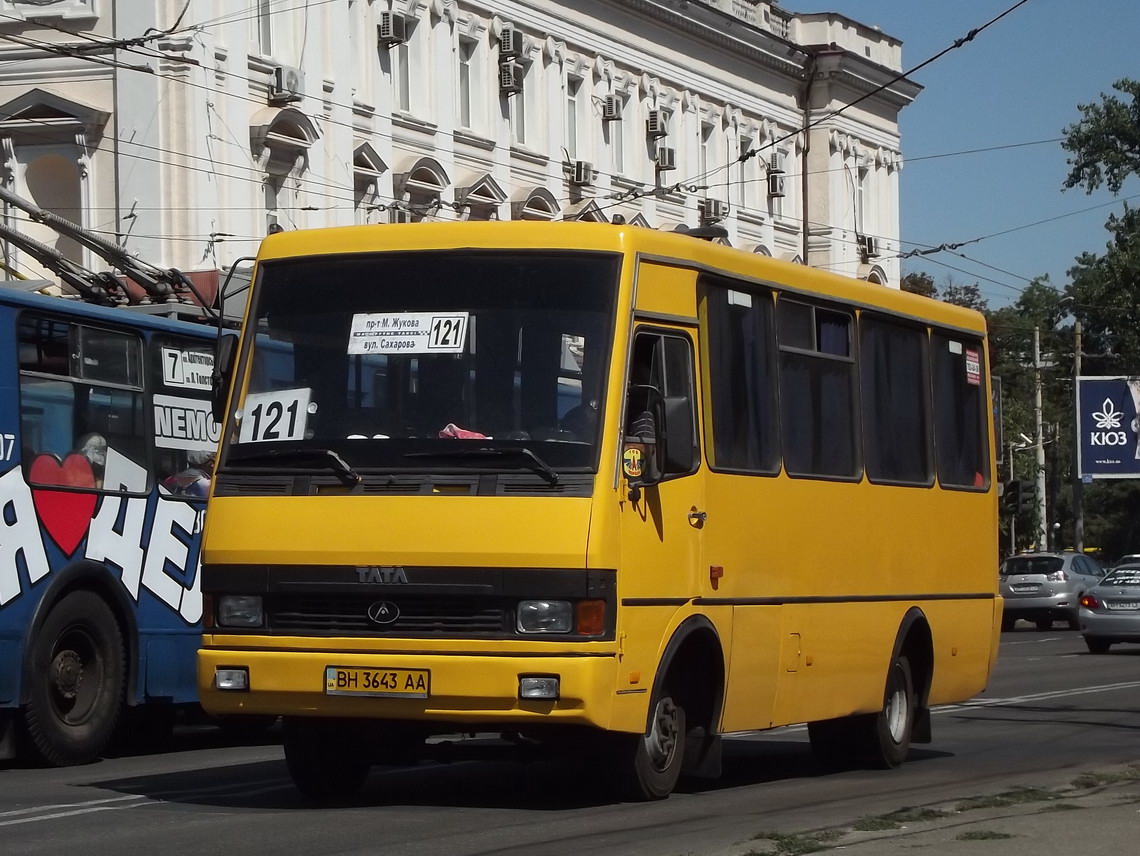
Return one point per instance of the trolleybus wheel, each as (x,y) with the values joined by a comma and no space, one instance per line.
(650,763)
(323,760)
(76,681)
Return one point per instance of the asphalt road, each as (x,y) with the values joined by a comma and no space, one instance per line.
(1052,711)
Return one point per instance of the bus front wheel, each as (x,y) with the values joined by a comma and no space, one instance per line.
(649,764)
(76,681)
(326,764)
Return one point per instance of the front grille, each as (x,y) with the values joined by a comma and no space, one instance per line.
(418,616)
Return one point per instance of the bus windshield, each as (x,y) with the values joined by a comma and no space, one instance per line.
(445,360)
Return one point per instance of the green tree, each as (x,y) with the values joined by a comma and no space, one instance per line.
(1105,144)
(919,282)
(968,295)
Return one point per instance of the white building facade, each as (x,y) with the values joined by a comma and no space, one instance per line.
(185,130)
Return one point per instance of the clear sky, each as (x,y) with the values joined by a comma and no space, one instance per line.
(1019,81)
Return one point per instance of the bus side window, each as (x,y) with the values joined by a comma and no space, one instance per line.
(185,434)
(88,407)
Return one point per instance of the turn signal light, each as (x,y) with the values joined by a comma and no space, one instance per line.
(591,617)
(1089,602)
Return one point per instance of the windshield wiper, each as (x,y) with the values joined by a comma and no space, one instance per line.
(328,459)
(535,462)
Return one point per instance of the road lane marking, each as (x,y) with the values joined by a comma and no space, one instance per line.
(994,702)
(36,808)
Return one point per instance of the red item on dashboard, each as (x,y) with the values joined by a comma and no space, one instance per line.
(455,432)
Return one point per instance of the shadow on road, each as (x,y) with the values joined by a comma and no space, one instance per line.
(527,784)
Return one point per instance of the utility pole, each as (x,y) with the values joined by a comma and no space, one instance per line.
(1078,485)
(1013,513)
(1039,437)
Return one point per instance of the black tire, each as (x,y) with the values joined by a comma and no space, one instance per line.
(1007,623)
(1074,623)
(1097,644)
(326,764)
(877,740)
(894,724)
(647,766)
(76,681)
(1044,623)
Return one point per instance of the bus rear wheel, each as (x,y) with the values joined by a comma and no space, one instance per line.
(326,764)
(877,740)
(76,681)
(649,764)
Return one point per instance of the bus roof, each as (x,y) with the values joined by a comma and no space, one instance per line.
(605,237)
(109,314)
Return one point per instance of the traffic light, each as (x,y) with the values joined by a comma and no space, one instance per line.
(1017,496)
(1025,498)
(1011,496)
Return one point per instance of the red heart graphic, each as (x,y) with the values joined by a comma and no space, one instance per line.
(64,514)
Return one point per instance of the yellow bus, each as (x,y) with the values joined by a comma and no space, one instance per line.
(600,486)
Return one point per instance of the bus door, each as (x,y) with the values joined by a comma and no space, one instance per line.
(661,493)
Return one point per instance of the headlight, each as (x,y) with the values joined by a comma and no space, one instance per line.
(239,610)
(545,616)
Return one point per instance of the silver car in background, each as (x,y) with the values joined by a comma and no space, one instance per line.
(1046,587)
(1110,611)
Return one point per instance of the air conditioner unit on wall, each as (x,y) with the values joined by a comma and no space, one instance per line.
(392,29)
(399,215)
(711,210)
(869,246)
(776,164)
(287,85)
(656,124)
(611,109)
(510,77)
(775,184)
(581,173)
(510,43)
(666,158)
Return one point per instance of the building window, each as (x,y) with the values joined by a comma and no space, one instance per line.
(746,177)
(402,74)
(573,108)
(860,198)
(466,53)
(265,27)
(706,154)
(615,137)
(777,166)
(517,105)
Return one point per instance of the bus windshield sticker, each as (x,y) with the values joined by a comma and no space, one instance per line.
(187,369)
(273,416)
(739,298)
(973,368)
(408,333)
(955,347)
(184,423)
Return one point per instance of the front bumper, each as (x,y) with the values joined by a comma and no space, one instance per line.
(480,691)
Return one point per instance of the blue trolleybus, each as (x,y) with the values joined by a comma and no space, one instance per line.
(106,450)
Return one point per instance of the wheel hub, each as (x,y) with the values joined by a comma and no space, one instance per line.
(661,742)
(67,673)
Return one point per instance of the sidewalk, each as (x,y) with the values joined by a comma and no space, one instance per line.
(1097,813)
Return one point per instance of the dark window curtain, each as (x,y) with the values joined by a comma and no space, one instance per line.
(894,406)
(742,389)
